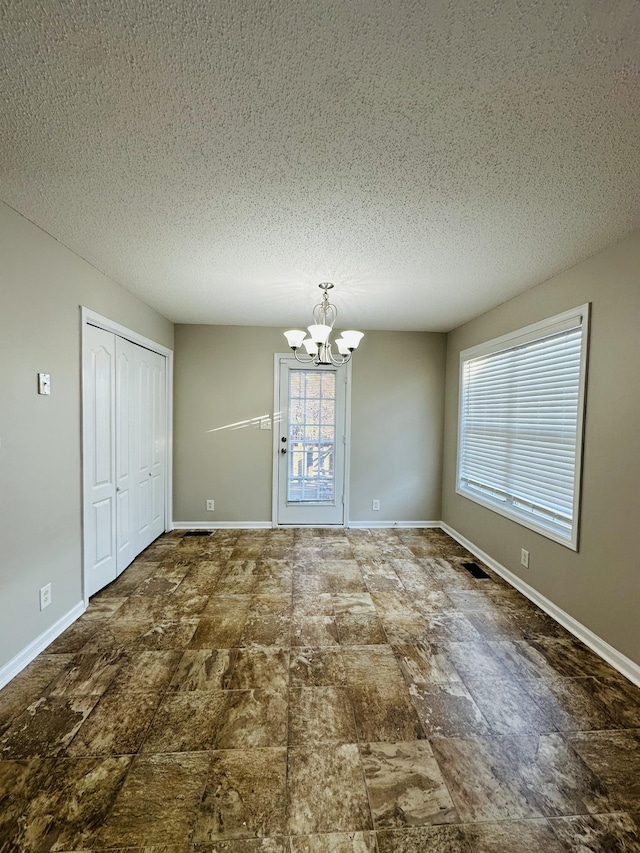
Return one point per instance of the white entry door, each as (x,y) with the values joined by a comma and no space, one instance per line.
(311,438)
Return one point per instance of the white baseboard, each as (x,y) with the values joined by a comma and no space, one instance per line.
(622,663)
(30,652)
(220,525)
(398,524)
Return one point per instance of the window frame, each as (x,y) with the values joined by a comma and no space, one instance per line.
(536,331)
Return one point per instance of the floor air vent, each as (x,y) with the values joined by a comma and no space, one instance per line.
(198,533)
(475,570)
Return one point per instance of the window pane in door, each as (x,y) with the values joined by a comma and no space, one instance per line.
(312,416)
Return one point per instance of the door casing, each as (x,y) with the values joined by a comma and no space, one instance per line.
(278,360)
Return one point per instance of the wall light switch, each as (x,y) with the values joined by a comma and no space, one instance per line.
(44,383)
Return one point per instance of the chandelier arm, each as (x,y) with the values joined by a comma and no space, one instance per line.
(306,360)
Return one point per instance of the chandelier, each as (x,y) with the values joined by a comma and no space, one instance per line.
(318,345)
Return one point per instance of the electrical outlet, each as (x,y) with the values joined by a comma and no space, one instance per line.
(524,558)
(375,505)
(45,596)
(210,506)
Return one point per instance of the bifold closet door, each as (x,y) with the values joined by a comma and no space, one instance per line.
(99,407)
(147,438)
(125,445)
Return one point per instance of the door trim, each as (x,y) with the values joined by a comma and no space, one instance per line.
(278,359)
(92,318)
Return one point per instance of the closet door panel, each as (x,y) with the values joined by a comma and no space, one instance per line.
(124,497)
(99,408)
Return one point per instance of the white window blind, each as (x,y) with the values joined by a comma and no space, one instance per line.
(521,424)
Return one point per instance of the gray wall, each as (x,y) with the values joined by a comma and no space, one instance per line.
(42,286)
(599,585)
(224,375)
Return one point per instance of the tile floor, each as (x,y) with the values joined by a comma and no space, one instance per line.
(317,691)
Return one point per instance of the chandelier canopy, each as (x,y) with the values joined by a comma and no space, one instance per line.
(318,345)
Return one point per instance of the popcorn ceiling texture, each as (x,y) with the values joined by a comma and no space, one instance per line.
(219,159)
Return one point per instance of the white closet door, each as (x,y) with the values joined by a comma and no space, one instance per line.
(124,405)
(125,453)
(99,357)
(149,426)
(158,441)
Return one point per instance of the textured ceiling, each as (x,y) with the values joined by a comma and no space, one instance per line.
(219,159)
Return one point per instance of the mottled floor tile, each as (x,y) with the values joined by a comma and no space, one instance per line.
(46,727)
(405,631)
(185,722)
(365,664)
(447,710)
(157,608)
(405,785)
(116,726)
(312,605)
(606,832)
(144,672)
(229,719)
(158,802)
(223,632)
(320,715)
(554,777)
(360,630)
(243,845)
(162,636)
(334,842)
(394,605)
(74,638)
(520,659)
(87,674)
(513,836)
(398,639)
(475,660)
(253,718)
(571,704)
(619,697)
(325,790)
(425,663)
(482,781)
(70,803)
(266,629)
(201,669)
(569,657)
(316,667)
(244,796)
(355,603)
(226,606)
(383,713)
(257,667)
(101,608)
(314,631)
(423,839)
(614,758)
(508,707)
(31,683)
(495,624)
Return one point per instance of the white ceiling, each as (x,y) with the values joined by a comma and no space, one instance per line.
(219,159)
